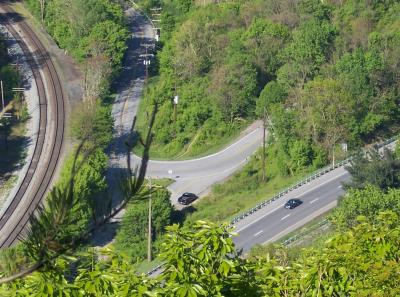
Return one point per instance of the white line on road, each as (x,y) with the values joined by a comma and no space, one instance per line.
(339,187)
(312,201)
(258,233)
(273,210)
(285,217)
(243,139)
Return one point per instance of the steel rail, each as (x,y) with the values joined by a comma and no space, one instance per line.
(42,163)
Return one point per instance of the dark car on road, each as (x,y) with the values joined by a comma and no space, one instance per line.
(187,198)
(292,203)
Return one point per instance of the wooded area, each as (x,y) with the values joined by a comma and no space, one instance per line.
(327,73)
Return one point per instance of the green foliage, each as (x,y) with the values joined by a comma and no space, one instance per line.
(367,202)
(272,94)
(217,67)
(380,171)
(300,155)
(85,27)
(132,237)
(92,123)
(327,69)
(308,50)
(88,189)
(361,261)
(202,261)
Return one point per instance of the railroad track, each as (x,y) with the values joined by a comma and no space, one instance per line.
(49,142)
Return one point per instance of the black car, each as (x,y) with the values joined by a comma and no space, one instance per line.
(187,198)
(292,203)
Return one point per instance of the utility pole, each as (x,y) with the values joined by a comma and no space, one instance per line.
(176,99)
(149,231)
(156,19)
(2,95)
(263,153)
(147,56)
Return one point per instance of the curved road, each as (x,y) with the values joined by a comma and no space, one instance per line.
(195,175)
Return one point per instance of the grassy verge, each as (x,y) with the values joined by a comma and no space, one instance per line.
(243,190)
(313,234)
(177,148)
(5,188)
(145,266)
(162,182)
(12,156)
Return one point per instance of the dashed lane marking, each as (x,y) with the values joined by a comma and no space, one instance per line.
(258,233)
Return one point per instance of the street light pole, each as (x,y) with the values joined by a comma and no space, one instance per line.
(263,154)
(149,231)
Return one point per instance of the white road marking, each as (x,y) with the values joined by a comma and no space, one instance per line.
(258,233)
(325,182)
(285,217)
(316,199)
(244,139)
(263,216)
(255,221)
(339,187)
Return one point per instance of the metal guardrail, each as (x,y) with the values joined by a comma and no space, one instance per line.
(305,232)
(289,189)
(158,267)
(306,180)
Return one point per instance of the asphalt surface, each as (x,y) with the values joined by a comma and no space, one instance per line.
(274,221)
(195,175)
(198,175)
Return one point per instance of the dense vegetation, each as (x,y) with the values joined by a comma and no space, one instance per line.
(133,233)
(327,72)
(363,261)
(94,33)
(86,29)
(326,86)
(364,169)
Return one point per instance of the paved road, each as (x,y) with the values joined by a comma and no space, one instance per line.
(198,175)
(273,221)
(191,175)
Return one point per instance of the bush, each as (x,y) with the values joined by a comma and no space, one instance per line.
(132,237)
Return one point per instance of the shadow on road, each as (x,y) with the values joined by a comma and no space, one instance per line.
(179,216)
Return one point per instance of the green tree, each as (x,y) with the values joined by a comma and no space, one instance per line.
(300,155)
(92,123)
(132,237)
(309,49)
(213,267)
(382,171)
(272,94)
(325,109)
(264,40)
(367,202)
(234,87)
